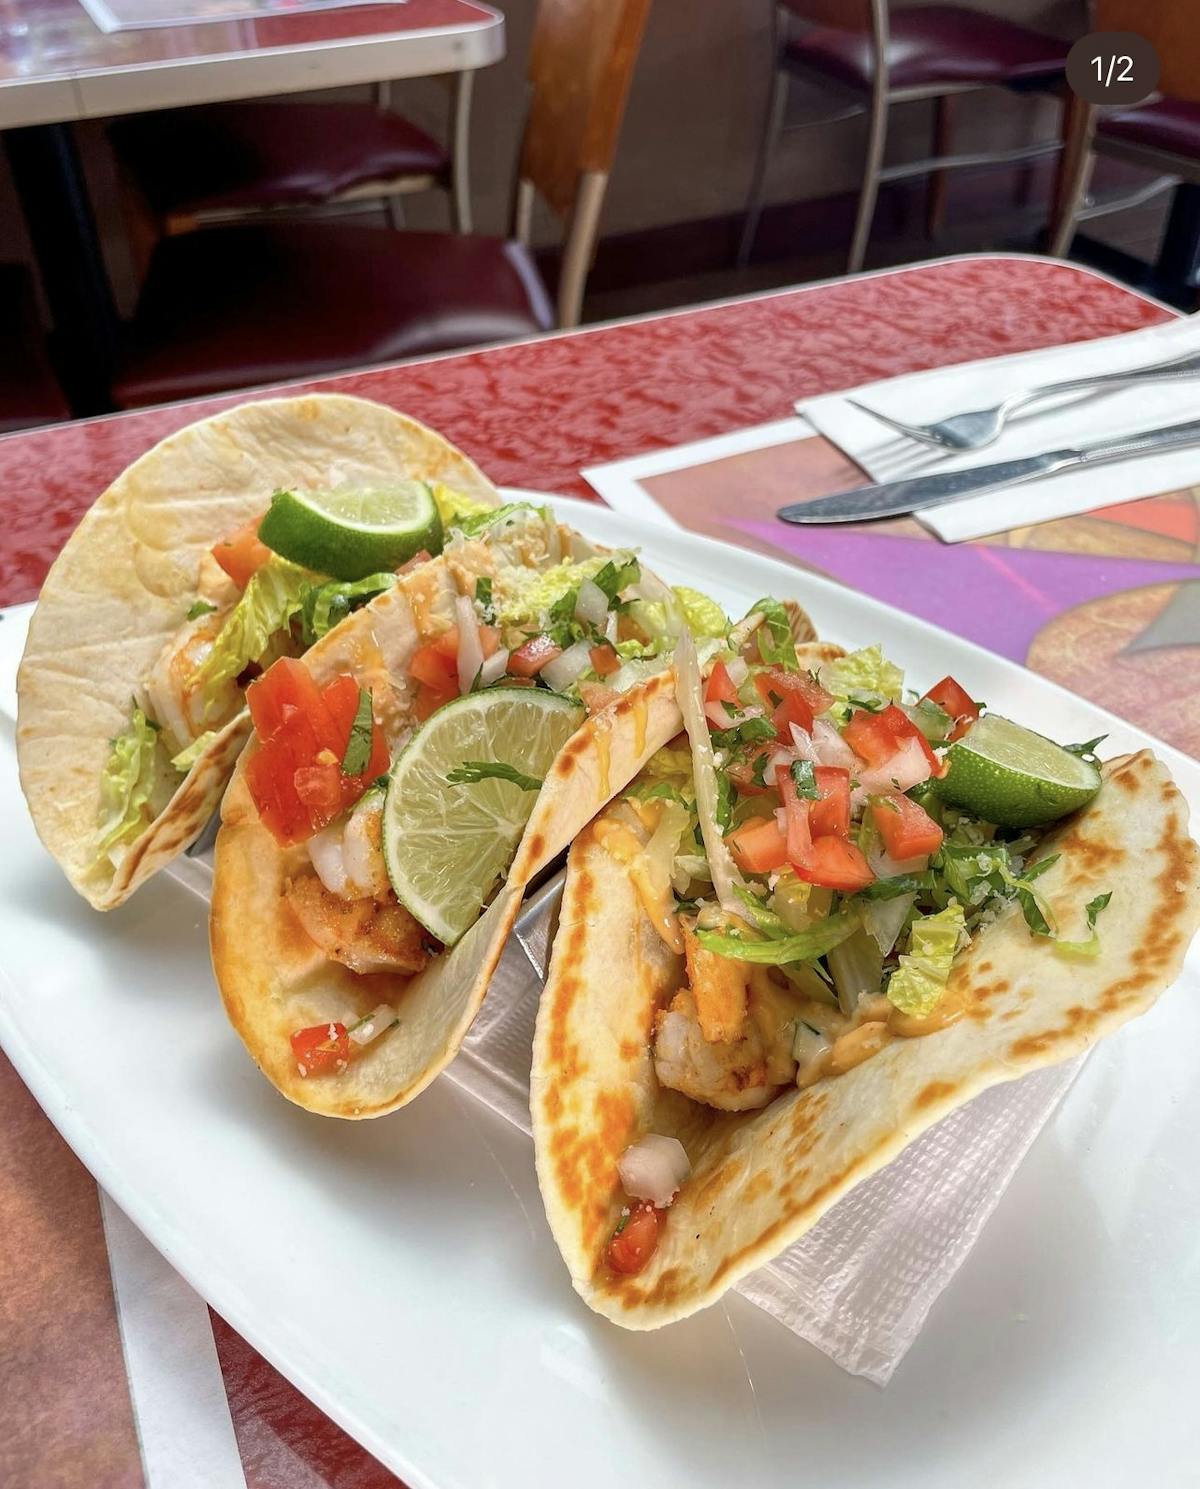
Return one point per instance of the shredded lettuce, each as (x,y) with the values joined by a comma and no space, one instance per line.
(455,509)
(187,758)
(803,946)
(273,596)
(863,674)
(526,596)
(476,521)
(322,606)
(127,784)
(857,968)
(775,644)
(1090,947)
(704,616)
(917,984)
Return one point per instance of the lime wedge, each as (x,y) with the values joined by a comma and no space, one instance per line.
(352,531)
(1011,776)
(445,844)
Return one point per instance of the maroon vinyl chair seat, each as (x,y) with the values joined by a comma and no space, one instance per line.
(29,392)
(242,156)
(231,307)
(1170,125)
(932,45)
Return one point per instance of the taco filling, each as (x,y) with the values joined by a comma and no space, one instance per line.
(394,769)
(807,854)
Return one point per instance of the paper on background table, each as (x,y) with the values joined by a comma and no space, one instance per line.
(923,397)
(141,15)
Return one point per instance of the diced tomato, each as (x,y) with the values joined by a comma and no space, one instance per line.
(907,830)
(957,702)
(528,660)
(875,737)
(719,686)
(241,554)
(758,846)
(632,1246)
(435,665)
(596,695)
(422,556)
(776,684)
(489,640)
(320,1048)
(285,690)
(835,863)
(294,771)
(604,660)
(799,829)
(830,813)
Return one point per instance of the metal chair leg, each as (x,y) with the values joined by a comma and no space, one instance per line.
(935,205)
(876,136)
(1074,171)
(772,126)
(460,174)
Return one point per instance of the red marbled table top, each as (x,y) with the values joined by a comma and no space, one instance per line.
(533,415)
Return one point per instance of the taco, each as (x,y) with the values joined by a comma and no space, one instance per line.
(797,941)
(408,778)
(165,601)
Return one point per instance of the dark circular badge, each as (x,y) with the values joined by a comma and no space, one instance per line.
(1113,67)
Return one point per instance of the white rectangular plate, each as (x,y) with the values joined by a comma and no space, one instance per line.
(400,1272)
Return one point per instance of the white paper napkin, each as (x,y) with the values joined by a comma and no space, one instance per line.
(923,397)
(861,1283)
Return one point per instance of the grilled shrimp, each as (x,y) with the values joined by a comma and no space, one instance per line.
(735,1075)
(173,698)
(348,854)
(366,935)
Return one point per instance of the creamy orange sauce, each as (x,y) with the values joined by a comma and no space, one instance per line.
(656,900)
(639,725)
(951,1008)
(603,756)
(875,1024)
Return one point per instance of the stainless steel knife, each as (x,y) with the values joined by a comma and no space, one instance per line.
(894,498)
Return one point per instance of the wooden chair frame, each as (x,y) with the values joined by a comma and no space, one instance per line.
(880,99)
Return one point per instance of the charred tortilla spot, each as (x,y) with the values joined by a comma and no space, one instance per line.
(934,1092)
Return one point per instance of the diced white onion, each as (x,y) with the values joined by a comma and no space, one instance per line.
(494,668)
(470,652)
(591,606)
(568,668)
(325,850)
(610,627)
(884,866)
(738,670)
(803,742)
(380,1019)
(907,768)
(653,1169)
(778,758)
(718,715)
(829,748)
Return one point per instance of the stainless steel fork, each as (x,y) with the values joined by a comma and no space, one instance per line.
(982,427)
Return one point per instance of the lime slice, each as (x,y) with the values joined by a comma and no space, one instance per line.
(353,531)
(1009,775)
(446,845)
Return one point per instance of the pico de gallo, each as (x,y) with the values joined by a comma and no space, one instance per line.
(520,600)
(792,846)
(251,607)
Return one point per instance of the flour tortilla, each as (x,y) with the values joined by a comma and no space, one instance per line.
(760,1180)
(122,586)
(275,980)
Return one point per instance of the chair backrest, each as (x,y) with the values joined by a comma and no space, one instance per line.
(580,68)
(845,15)
(1172,27)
